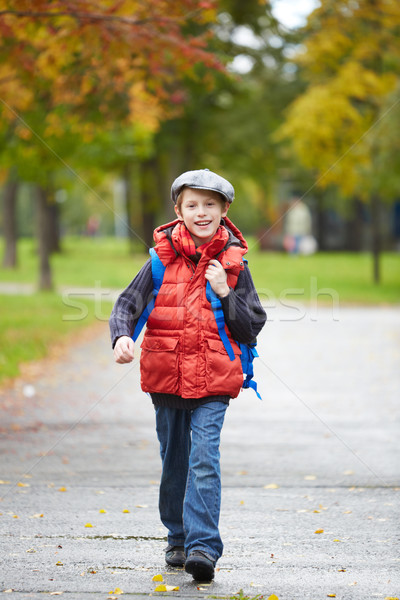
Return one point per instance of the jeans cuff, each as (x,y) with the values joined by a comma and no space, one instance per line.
(176,541)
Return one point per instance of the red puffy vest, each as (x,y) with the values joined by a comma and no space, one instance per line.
(182,352)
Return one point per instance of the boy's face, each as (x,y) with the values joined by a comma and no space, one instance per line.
(201,211)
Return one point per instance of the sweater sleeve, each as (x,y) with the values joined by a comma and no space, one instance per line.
(243,312)
(130,304)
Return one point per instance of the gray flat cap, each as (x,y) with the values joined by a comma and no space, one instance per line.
(203,179)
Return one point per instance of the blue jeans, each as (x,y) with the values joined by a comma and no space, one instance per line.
(190,488)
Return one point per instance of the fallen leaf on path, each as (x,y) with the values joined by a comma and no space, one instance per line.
(31,550)
(337,540)
(56,593)
(310,477)
(391,598)
(342,570)
(88,525)
(102,511)
(157,578)
(271,486)
(126,510)
(59,563)
(273,597)
(37,516)
(117,591)
(2,482)
(62,489)
(319,531)
(20,484)
(8,591)
(142,506)
(161,588)
(331,595)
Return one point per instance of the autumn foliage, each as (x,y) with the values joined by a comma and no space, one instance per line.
(99,60)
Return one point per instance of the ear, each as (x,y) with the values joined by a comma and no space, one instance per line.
(225,210)
(177,212)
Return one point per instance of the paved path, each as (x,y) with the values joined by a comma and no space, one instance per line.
(320,453)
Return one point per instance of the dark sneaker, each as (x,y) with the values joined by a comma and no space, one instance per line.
(175,556)
(200,565)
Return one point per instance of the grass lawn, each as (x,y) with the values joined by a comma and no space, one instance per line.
(30,324)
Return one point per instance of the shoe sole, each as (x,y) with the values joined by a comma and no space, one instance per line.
(199,570)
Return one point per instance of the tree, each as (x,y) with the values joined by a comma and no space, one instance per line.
(350,61)
(69,67)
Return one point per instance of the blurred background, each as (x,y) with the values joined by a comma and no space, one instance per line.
(103,103)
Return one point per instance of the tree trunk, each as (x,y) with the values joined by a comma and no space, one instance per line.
(149,198)
(10,224)
(376,236)
(44,222)
(128,200)
(54,232)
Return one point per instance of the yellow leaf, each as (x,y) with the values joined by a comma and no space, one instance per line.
(15,517)
(319,531)
(241,502)
(157,578)
(391,598)
(102,511)
(20,484)
(161,588)
(117,591)
(88,525)
(271,486)
(59,563)
(317,511)
(62,489)
(331,595)
(336,540)
(126,510)
(273,597)
(2,482)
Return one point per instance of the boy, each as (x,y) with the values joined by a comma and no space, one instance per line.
(184,365)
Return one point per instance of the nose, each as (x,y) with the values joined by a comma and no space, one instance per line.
(201,210)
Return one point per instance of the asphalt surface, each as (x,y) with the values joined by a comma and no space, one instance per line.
(319,454)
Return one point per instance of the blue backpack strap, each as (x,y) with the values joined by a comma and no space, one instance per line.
(157,272)
(219,319)
(249,353)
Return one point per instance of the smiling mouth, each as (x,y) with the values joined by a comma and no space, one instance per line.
(203,223)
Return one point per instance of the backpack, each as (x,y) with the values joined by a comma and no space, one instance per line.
(248,351)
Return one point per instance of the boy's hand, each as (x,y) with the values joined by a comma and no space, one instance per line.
(216,275)
(124,350)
